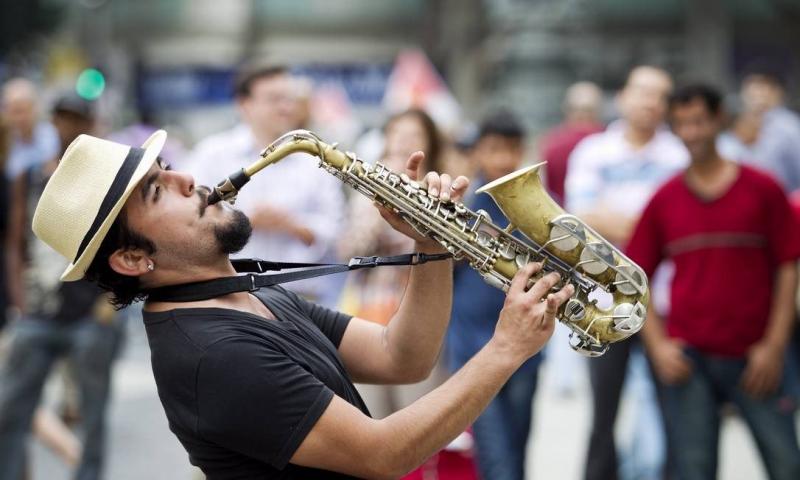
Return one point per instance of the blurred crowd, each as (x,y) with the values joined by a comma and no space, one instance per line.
(703,196)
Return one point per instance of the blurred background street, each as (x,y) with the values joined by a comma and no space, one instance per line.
(629,102)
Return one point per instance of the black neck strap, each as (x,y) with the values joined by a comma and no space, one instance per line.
(256,279)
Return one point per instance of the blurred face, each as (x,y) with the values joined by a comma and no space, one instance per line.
(643,101)
(167,209)
(270,109)
(70,125)
(497,155)
(698,128)
(19,113)
(404,136)
(760,95)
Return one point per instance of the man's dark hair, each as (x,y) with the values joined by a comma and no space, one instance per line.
(502,123)
(710,96)
(124,289)
(249,74)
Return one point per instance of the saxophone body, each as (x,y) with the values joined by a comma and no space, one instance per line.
(564,243)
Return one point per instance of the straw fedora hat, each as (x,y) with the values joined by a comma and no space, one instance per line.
(85,194)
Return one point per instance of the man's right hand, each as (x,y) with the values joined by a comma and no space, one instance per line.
(670,363)
(528,316)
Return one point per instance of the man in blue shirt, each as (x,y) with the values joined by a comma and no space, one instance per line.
(776,147)
(501,432)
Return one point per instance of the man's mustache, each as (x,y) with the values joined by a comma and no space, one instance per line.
(203,192)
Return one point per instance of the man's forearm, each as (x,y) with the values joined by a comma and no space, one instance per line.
(781,318)
(414,335)
(426,426)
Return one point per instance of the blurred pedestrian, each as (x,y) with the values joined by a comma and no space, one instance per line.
(297,224)
(732,235)
(501,432)
(611,175)
(582,104)
(58,320)
(33,141)
(777,147)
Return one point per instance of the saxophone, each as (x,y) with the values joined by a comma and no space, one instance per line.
(564,243)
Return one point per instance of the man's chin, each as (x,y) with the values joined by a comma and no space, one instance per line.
(233,236)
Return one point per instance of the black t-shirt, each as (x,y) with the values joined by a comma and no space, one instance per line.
(242,392)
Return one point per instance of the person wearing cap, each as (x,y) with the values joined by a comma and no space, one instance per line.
(258,383)
(502,431)
(57,320)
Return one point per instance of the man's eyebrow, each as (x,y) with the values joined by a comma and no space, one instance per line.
(148,183)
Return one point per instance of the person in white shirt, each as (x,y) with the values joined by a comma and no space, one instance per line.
(296,208)
(610,178)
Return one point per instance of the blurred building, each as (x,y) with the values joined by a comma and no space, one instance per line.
(177,56)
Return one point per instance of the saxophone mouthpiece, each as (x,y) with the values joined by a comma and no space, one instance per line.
(213,197)
(228,188)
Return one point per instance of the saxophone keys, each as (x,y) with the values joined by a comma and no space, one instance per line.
(628,318)
(629,280)
(410,188)
(522,259)
(484,216)
(484,239)
(562,238)
(411,185)
(574,310)
(587,346)
(507,252)
(596,258)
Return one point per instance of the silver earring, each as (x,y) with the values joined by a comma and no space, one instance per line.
(151,267)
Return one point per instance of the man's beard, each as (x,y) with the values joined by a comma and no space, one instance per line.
(234,235)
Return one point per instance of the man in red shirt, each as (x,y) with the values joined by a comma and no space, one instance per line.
(734,240)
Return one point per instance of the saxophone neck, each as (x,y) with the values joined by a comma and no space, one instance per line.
(291,142)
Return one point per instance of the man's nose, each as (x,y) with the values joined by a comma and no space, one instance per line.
(184,181)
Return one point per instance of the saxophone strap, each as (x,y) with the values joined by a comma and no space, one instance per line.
(256,278)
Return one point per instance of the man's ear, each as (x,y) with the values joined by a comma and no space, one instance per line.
(130,262)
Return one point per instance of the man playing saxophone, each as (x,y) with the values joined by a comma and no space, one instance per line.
(259,384)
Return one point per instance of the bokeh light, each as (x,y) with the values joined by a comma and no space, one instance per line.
(91,83)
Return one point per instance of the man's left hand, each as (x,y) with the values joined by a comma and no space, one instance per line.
(438,186)
(764,370)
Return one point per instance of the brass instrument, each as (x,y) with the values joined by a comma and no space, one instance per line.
(563,242)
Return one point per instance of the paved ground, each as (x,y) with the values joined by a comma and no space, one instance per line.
(142,446)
